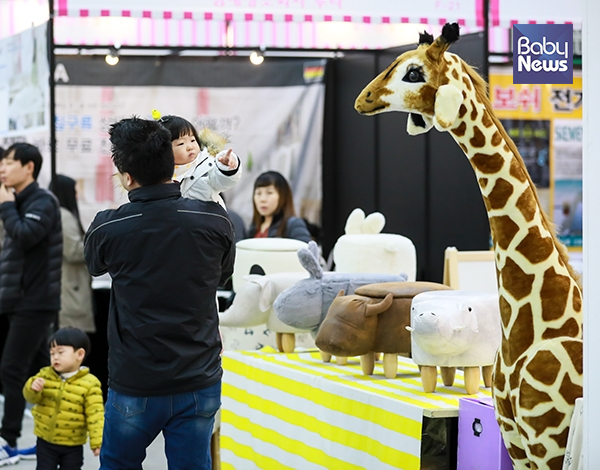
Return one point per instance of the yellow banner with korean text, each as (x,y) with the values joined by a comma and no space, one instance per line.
(515,101)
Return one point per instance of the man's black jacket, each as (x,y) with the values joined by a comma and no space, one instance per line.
(31,260)
(166,256)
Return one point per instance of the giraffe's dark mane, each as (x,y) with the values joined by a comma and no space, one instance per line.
(481,90)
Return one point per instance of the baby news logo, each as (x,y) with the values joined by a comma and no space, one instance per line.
(543,54)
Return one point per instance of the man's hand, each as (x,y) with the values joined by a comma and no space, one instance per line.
(96,451)
(228,158)
(6,195)
(38,384)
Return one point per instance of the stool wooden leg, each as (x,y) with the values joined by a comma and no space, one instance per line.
(288,341)
(448,374)
(326,357)
(429,378)
(487,375)
(215,449)
(390,365)
(278,341)
(341,360)
(367,363)
(472,378)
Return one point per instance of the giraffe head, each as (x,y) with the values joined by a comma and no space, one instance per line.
(420,83)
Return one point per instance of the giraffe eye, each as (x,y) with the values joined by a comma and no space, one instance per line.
(413,76)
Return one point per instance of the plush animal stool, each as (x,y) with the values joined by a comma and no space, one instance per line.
(373,320)
(452,329)
(363,249)
(265,256)
(392,337)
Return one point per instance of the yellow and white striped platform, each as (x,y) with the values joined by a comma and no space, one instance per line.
(293,411)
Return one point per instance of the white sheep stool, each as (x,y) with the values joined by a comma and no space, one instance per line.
(452,329)
(363,249)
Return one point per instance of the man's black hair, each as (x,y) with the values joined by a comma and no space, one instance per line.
(25,153)
(142,148)
(69,336)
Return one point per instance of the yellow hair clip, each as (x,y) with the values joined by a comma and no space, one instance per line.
(155,114)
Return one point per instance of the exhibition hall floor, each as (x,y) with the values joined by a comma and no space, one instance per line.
(155,459)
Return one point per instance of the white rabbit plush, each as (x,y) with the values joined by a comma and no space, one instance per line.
(304,305)
(364,249)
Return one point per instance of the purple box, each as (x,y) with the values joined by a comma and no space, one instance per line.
(480,445)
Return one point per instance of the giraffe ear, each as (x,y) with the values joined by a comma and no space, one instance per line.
(448,99)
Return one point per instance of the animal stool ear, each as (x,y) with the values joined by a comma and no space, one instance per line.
(447,103)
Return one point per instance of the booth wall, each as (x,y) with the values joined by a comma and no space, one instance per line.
(424,185)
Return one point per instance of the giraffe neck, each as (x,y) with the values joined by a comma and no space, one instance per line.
(533,270)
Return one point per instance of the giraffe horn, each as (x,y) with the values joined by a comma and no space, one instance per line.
(450,34)
(425,39)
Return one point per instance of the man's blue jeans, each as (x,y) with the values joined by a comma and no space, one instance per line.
(186,421)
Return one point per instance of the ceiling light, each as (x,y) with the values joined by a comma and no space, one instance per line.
(257,57)
(112,58)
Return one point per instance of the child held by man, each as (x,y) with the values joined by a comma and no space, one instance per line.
(202,166)
(68,403)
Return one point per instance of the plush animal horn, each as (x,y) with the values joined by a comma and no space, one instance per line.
(341,293)
(450,34)
(376,309)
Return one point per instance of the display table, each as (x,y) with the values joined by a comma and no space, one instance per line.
(292,411)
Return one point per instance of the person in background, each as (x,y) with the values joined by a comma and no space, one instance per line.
(76,307)
(274,213)
(30,272)
(166,256)
(68,403)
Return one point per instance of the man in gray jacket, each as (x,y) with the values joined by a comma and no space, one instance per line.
(30,271)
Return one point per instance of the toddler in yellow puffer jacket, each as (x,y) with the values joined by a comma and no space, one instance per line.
(68,403)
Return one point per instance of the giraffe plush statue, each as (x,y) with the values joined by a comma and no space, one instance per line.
(538,368)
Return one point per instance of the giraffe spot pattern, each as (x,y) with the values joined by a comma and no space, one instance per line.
(464,148)
(499,379)
(467,83)
(514,379)
(460,130)
(522,432)
(556,463)
(478,139)
(462,111)
(504,229)
(517,283)
(473,111)
(575,351)
(496,139)
(516,453)
(570,329)
(529,397)
(539,450)
(516,170)
(554,294)
(544,367)
(561,439)
(569,390)
(505,409)
(527,205)
(521,337)
(506,148)
(455,74)
(534,247)
(486,120)
(500,194)
(540,423)
(487,164)
(577,302)
(483,182)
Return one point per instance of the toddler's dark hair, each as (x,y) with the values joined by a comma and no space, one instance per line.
(73,337)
